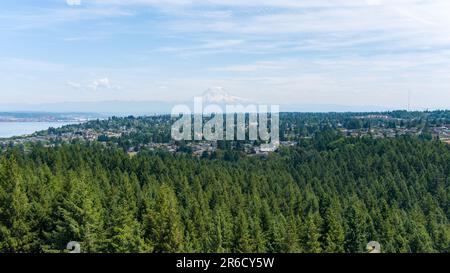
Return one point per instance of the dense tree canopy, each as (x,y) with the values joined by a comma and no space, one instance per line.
(328,194)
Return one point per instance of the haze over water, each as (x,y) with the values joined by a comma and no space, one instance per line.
(10,129)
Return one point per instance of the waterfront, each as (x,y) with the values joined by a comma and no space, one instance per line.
(10,129)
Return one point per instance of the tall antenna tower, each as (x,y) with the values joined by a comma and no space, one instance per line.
(409,100)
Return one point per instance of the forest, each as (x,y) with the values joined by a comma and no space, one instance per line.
(329,194)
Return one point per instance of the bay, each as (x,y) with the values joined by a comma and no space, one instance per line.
(10,129)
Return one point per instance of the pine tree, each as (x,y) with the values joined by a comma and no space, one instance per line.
(125,232)
(163,222)
(217,244)
(311,234)
(16,233)
(356,237)
(259,238)
(334,231)
(243,242)
(79,216)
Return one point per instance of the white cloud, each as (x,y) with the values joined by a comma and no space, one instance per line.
(30,64)
(262,27)
(102,83)
(73,84)
(96,85)
(341,51)
(22,19)
(253,67)
(205,47)
(73,2)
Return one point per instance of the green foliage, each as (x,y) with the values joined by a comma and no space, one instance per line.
(16,233)
(329,194)
(163,222)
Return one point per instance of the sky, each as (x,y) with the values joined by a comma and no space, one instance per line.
(340,52)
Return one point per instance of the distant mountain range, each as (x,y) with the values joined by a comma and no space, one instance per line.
(123,108)
(47,117)
(215,95)
(101,107)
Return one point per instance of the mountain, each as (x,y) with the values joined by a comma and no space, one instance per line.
(219,95)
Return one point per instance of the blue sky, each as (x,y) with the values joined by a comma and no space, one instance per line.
(344,52)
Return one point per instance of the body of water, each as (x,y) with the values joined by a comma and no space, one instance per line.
(10,129)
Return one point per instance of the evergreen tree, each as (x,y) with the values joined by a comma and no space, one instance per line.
(16,234)
(125,232)
(79,217)
(311,234)
(356,237)
(163,222)
(334,231)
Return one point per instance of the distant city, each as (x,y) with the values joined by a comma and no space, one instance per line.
(47,117)
(135,134)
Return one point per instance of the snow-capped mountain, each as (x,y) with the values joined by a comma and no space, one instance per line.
(219,95)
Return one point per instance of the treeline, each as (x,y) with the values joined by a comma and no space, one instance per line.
(293,126)
(329,194)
